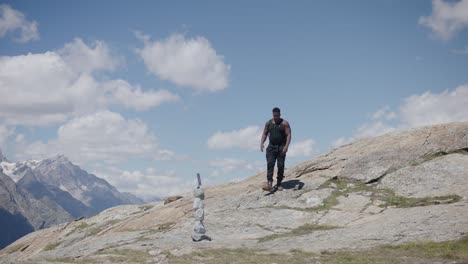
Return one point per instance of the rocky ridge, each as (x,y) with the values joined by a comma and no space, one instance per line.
(400,187)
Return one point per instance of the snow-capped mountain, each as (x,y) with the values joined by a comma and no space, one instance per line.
(16,170)
(51,191)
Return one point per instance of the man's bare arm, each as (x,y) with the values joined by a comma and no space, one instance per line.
(264,136)
(288,136)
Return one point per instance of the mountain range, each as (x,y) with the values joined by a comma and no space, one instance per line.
(37,194)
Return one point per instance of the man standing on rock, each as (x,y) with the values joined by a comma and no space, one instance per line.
(279,133)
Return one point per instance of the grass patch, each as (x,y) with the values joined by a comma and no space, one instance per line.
(71,260)
(158,229)
(126,255)
(51,246)
(457,249)
(90,230)
(142,238)
(405,202)
(344,187)
(240,256)
(298,231)
(94,230)
(337,183)
(430,156)
(81,226)
(424,252)
(307,209)
(427,157)
(145,207)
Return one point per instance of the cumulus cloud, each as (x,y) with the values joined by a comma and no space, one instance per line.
(121,92)
(81,57)
(186,62)
(249,138)
(244,138)
(384,114)
(435,108)
(148,184)
(414,111)
(226,166)
(305,148)
(5,133)
(36,88)
(51,87)
(447,18)
(14,21)
(100,137)
(374,128)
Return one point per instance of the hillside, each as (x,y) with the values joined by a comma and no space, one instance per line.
(403,187)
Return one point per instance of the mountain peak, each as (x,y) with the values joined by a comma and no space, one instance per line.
(60,157)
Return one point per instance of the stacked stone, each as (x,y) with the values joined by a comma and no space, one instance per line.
(199,212)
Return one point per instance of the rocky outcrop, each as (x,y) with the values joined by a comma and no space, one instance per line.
(400,187)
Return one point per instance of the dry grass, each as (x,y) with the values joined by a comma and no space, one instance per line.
(425,252)
(51,246)
(299,231)
(126,255)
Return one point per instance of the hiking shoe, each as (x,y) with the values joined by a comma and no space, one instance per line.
(268,186)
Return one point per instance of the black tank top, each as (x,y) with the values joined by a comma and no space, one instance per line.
(277,133)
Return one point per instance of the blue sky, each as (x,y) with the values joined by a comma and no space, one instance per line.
(146,94)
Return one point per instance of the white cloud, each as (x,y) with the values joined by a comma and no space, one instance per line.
(226,166)
(101,137)
(435,108)
(341,141)
(447,18)
(417,110)
(371,129)
(51,87)
(35,88)
(244,138)
(305,148)
(384,113)
(83,58)
(12,20)
(186,62)
(121,92)
(249,138)
(147,184)
(5,133)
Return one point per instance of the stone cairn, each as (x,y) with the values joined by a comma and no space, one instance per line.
(199,230)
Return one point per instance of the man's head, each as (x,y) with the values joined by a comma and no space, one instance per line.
(276,114)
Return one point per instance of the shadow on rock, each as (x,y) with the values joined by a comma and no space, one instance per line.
(292,184)
(203,237)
